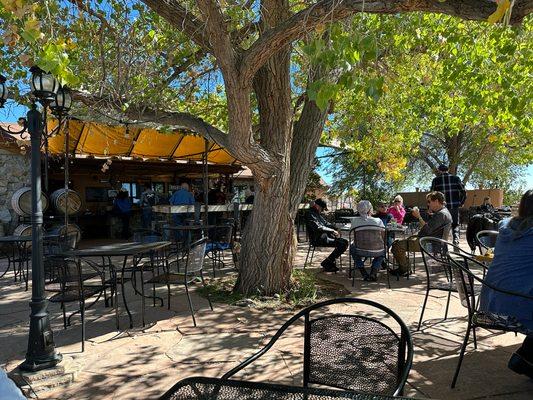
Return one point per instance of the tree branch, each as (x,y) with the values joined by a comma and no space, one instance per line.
(84,6)
(181,18)
(219,37)
(327,11)
(147,117)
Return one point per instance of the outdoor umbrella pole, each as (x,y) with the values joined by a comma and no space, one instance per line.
(41,352)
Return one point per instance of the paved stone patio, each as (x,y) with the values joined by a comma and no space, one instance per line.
(143,363)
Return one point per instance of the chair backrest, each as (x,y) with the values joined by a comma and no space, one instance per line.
(195,257)
(350,351)
(486,240)
(222,233)
(464,280)
(62,274)
(368,240)
(435,255)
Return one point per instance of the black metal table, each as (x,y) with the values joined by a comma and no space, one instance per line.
(202,388)
(126,250)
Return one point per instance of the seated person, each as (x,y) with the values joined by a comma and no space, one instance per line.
(438,226)
(512,269)
(487,207)
(323,233)
(397,209)
(364,207)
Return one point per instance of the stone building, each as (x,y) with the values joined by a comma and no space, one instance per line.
(14,174)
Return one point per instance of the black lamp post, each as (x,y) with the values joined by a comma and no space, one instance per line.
(41,353)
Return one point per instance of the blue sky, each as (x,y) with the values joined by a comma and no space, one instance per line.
(328,178)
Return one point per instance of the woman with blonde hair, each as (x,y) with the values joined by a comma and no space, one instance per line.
(397,210)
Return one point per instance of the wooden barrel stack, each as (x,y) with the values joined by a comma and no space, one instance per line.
(63,201)
(21,201)
(66,201)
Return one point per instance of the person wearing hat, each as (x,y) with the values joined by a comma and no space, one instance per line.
(455,194)
(323,233)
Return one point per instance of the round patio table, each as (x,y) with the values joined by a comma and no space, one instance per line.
(202,388)
(131,249)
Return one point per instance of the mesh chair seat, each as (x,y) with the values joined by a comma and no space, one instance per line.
(353,353)
(500,322)
(72,293)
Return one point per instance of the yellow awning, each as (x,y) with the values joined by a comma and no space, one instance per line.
(100,140)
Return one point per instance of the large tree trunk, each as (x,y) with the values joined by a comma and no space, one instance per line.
(267,246)
(267,250)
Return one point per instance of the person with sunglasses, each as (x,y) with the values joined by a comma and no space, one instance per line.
(397,209)
(438,226)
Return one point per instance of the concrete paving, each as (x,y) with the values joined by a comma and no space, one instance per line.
(144,362)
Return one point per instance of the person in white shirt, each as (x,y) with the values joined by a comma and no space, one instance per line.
(373,242)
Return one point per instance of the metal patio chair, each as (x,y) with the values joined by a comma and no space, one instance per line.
(467,280)
(194,264)
(350,351)
(438,270)
(72,281)
(369,241)
(486,240)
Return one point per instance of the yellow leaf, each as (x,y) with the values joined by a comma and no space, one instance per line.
(496,16)
(492,138)
(320,28)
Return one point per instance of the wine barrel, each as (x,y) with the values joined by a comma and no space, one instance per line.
(66,198)
(21,201)
(22,230)
(60,230)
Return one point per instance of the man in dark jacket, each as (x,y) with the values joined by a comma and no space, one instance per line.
(455,194)
(323,233)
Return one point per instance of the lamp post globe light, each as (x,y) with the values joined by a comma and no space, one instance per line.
(41,353)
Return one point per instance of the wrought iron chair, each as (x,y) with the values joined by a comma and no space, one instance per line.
(486,240)
(438,270)
(194,264)
(220,239)
(369,241)
(72,281)
(462,267)
(312,247)
(350,351)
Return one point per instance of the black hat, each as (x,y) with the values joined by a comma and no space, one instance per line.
(443,168)
(321,203)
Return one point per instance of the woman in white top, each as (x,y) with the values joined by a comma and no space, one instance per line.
(374,243)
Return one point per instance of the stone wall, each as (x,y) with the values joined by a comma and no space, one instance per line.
(14,174)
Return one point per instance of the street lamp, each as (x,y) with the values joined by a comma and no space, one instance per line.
(41,353)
